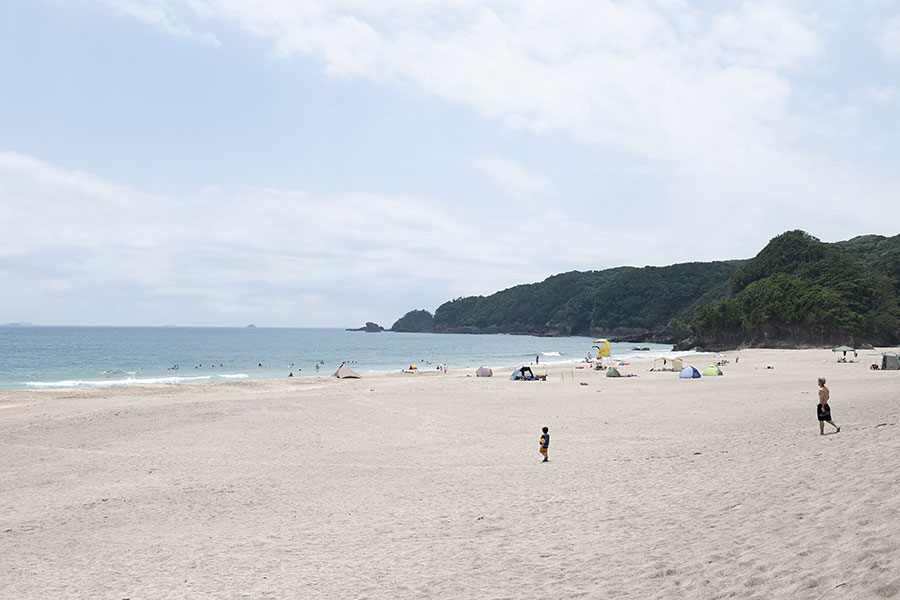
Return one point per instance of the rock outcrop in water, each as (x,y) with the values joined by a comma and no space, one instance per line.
(369,328)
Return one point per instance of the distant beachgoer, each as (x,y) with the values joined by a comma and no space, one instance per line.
(537,359)
(317,366)
(291,374)
(545,444)
(823,411)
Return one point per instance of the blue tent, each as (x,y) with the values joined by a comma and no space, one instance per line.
(690,373)
(522,374)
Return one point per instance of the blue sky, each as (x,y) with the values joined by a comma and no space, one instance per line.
(288,163)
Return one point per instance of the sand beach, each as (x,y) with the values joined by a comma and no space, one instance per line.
(431,486)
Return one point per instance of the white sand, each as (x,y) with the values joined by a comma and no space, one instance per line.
(431,486)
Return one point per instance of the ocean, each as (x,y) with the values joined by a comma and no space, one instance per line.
(36,357)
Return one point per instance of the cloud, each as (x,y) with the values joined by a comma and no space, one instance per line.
(766,35)
(659,78)
(880,94)
(273,256)
(513,179)
(160,14)
(889,40)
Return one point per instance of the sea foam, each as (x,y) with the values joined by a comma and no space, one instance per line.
(111,382)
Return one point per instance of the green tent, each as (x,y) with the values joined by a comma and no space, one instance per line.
(712,370)
(613,372)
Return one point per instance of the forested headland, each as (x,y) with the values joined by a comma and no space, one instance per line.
(797,291)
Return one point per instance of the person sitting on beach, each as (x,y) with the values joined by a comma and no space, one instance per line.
(545,444)
(823,411)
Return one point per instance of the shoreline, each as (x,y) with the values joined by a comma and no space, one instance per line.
(244,377)
(54,357)
(554,367)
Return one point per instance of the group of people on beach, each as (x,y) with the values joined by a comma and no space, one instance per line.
(291,373)
(823,414)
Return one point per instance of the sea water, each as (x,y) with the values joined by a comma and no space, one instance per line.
(56,357)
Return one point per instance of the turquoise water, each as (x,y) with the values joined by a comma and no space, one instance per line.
(56,357)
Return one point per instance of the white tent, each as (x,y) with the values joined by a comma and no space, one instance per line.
(664,363)
(345,372)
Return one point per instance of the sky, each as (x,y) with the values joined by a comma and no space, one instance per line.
(303,163)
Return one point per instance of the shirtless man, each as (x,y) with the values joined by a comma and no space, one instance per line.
(823,411)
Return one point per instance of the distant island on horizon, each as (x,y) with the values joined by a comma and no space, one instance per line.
(796,292)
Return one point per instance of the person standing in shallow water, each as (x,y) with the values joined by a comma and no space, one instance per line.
(545,444)
(823,411)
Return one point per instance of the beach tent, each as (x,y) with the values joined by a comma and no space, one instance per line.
(689,373)
(711,370)
(613,372)
(484,372)
(345,372)
(664,363)
(522,374)
(890,362)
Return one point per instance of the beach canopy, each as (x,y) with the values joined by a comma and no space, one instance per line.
(613,372)
(522,374)
(712,370)
(890,362)
(689,372)
(843,349)
(345,372)
(664,363)
(484,372)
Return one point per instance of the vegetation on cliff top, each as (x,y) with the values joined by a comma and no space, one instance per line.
(415,320)
(592,302)
(797,287)
(797,281)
